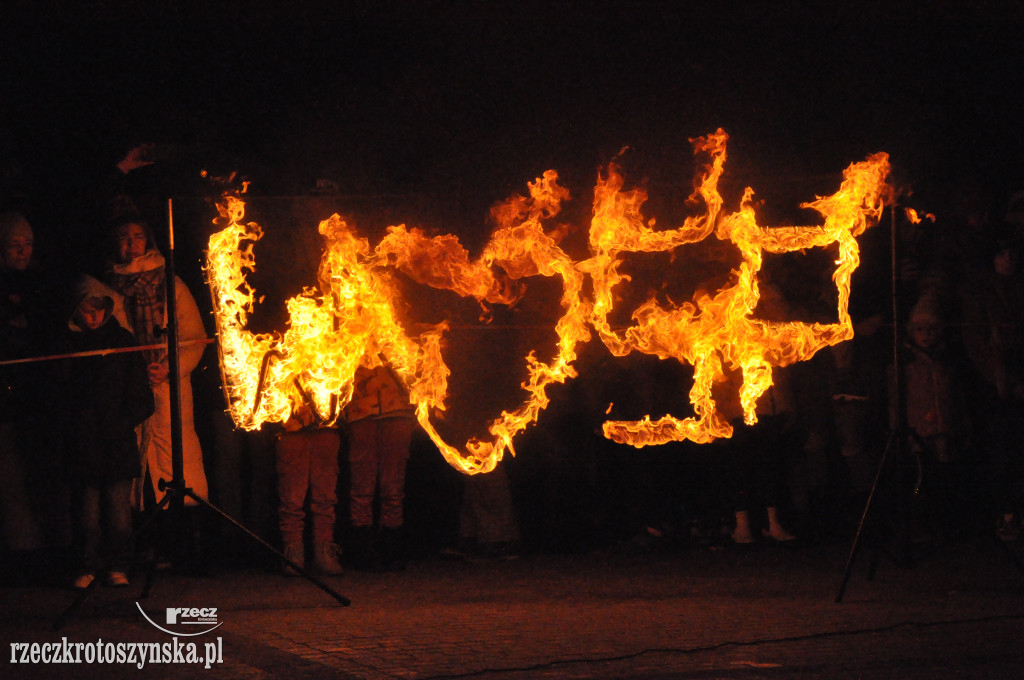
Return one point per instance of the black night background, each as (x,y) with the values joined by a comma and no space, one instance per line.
(465,102)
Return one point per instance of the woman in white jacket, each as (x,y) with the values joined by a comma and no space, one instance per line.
(137,272)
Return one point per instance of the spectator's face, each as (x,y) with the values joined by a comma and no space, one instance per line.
(1005,263)
(925,335)
(131,242)
(90,314)
(17,248)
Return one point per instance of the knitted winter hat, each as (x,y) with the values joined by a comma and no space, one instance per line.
(926,311)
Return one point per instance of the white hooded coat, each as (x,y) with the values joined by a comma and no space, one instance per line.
(155,433)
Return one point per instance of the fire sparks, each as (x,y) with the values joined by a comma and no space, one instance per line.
(350,317)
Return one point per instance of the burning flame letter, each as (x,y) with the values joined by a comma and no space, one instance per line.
(350,319)
(715,332)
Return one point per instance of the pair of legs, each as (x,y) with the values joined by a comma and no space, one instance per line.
(487,516)
(378,455)
(19,527)
(307,463)
(1004,465)
(757,469)
(105,525)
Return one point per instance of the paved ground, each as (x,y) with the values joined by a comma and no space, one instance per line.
(767,612)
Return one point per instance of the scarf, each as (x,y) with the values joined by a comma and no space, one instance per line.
(141,281)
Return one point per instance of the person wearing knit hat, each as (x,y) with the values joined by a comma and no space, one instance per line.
(104,397)
(925,323)
(933,408)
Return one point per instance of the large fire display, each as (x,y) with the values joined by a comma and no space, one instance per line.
(350,318)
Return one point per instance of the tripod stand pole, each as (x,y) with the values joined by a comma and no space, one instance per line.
(896,438)
(173,359)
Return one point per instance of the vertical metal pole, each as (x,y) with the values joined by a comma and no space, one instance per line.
(177,452)
(895,442)
(897,342)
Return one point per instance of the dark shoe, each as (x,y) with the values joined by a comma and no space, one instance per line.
(325,559)
(780,535)
(647,540)
(501,551)
(460,551)
(361,551)
(392,549)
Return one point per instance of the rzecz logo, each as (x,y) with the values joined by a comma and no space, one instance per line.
(186,616)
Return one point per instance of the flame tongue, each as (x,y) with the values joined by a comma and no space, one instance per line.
(350,318)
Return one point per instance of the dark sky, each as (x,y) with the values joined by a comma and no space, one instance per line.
(467,101)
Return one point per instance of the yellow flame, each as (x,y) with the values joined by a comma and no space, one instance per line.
(350,319)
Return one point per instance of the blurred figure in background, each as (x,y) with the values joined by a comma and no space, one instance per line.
(488,528)
(933,415)
(993,336)
(22,294)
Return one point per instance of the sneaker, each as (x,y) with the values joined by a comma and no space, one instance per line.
(392,549)
(361,550)
(294,552)
(83,581)
(325,559)
(117,579)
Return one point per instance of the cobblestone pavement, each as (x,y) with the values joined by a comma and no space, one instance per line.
(767,612)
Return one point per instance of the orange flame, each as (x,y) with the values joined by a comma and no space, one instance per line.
(914,218)
(350,319)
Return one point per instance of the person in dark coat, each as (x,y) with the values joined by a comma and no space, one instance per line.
(993,336)
(29,317)
(106,397)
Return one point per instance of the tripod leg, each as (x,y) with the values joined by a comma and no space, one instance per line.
(863,520)
(306,574)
